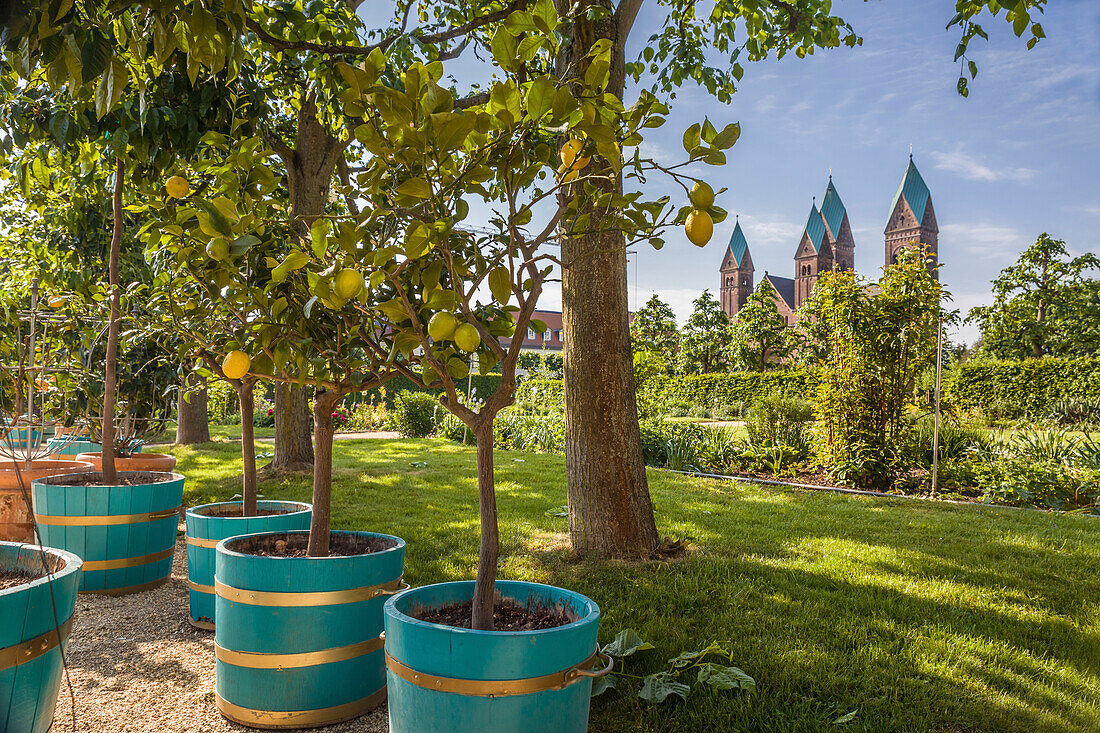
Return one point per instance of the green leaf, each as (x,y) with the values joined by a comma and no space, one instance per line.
(626,643)
(540,97)
(727,138)
(111,84)
(296,260)
(659,686)
(241,244)
(94,57)
(415,187)
(685,659)
(500,284)
(724,678)
(601,685)
(691,138)
(505,49)
(318,234)
(846,718)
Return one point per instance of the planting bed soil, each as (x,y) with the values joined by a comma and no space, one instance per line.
(12,578)
(137,666)
(507,616)
(341,545)
(127,478)
(228,511)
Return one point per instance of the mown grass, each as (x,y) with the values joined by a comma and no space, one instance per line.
(919,616)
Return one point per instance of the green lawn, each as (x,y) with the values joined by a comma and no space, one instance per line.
(920,616)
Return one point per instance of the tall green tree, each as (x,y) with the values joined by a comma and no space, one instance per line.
(1043,305)
(705,337)
(878,341)
(653,328)
(759,337)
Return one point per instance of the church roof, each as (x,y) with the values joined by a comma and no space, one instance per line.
(784,286)
(815,228)
(738,244)
(914,190)
(832,209)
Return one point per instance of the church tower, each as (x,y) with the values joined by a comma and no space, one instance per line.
(912,219)
(813,256)
(838,229)
(737,273)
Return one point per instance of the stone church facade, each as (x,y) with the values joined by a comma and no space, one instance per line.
(826,244)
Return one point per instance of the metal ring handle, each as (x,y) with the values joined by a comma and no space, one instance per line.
(403,587)
(581,672)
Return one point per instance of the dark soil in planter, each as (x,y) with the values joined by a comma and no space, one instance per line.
(221,512)
(507,616)
(12,578)
(125,478)
(294,545)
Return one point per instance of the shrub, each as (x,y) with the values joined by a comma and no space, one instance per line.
(957,441)
(699,412)
(1026,387)
(776,420)
(454,429)
(413,414)
(718,450)
(728,410)
(263,415)
(366,416)
(1045,484)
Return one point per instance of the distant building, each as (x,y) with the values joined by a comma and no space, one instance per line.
(826,244)
(552,340)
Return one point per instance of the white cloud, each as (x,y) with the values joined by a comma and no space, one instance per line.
(983,241)
(972,168)
(761,231)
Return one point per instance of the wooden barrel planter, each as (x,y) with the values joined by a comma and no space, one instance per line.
(125,534)
(15,514)
(298,639)
(63,449)
(37,618)
(210,523)
(137,462)
(446,678)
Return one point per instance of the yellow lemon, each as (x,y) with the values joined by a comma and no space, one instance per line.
(566,175)
(699,227)
(702,195)
(569,151)
(236,364)
(442,326)
(348,283)
(177,187)
(466,337)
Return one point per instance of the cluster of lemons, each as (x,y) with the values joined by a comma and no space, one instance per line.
(699,227)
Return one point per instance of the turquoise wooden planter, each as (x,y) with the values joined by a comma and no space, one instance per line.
(442,678)
(125,534)
(205,530)
(59,449)
(18,437)
(30,657)
(298,640)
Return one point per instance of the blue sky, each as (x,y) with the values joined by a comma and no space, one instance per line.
(1019,156)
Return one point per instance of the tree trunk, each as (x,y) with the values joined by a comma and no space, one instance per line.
(192,417)
(293,442)
(310,166)
(110,475)
(610,511)
(324,402)
(248,448)
(487,559)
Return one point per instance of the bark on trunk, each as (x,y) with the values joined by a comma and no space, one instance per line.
(110,475)
(324,402)
(610,511)
(293,442)
(487,559)
(248,448)
(192,416)
(310,166)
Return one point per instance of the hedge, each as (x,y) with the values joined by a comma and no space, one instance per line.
(710,390)
(1025,387)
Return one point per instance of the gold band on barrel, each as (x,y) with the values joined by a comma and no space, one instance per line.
(259,660)
(104,520)
(24,652)
(128,589)
(200,588)
(199,542)
(490,688)
(128,562)
(274,719)
(314,598)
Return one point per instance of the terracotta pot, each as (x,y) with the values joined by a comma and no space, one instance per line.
(15,520)
(137,462)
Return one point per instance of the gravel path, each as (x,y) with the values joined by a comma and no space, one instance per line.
(137,666)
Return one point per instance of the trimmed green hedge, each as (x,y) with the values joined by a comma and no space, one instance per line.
(483,384)
(709,390)
(1026,387)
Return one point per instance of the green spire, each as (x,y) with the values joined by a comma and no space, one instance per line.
(913,190)
(738,244)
